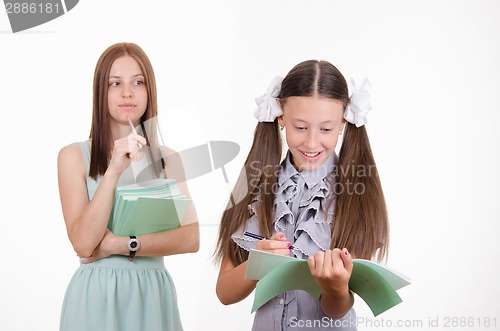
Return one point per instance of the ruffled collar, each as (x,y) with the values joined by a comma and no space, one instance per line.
(302,210)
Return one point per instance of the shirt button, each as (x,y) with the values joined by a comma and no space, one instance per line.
(282,301)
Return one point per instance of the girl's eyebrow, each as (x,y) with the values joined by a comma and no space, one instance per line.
(136,75)
(325,122)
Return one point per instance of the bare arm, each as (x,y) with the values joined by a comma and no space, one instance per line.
(185,239)
(176,241)
(232,286)
(86,222)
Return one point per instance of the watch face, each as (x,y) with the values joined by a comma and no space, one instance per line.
(133,245)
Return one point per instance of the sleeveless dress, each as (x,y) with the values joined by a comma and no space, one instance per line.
(304,213)
(114,294)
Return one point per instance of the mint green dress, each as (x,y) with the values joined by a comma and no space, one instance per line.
(114,294)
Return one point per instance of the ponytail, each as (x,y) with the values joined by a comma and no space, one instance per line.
(360,220)
(257,179)
(360,216)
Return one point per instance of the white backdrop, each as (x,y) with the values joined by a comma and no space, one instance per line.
(434,69)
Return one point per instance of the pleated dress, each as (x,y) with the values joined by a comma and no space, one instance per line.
(114,294)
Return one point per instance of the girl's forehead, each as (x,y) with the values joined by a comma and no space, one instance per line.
(125,63)
(313,108)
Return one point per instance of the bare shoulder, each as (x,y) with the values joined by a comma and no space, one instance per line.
(70,157)
(167,151)
(172,158)
(174,168)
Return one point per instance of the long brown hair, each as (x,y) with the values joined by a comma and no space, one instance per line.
(100,132)
(360,218)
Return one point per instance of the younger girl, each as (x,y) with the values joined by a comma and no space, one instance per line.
(122,283)
(314,205)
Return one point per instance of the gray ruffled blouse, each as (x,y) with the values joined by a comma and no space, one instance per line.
(304,214)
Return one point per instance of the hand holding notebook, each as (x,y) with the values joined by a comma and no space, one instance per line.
(373,282)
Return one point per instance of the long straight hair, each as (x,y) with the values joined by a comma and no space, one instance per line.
(100,132)
(360,218)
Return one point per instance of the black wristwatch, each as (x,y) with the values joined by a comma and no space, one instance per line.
(133,245)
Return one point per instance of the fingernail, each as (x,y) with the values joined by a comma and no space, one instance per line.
(346,252)
(282,236)
(290,246)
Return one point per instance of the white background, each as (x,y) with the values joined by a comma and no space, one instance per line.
(434,68)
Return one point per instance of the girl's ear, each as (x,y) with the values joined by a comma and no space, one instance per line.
(342,125)
(281,122)
(280,118)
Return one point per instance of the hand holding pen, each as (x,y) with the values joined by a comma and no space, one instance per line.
(277,244)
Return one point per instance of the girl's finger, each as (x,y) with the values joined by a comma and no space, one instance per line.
(346,259)
(273,244)
(328,260)
(312,263)
(319,259)
(139,141)
(337,262)
(278,236)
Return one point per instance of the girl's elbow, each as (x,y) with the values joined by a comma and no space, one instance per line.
(82,247)
(195,246)
(82,251)
(222,298)
(195,238)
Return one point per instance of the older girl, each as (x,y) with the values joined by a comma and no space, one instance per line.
(122,283)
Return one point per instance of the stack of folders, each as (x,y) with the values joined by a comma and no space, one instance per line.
(147,207)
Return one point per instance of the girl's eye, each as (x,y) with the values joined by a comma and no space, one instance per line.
(300,128)
(139,82)
(326,130)
(114,83)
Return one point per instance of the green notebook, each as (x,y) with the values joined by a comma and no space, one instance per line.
(374,283)
(147,207)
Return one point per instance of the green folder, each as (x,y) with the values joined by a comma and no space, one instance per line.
(374,283)
(148,207)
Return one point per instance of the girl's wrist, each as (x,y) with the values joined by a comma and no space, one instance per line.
(336,305)
(116,245)
(120,246)
(112,174)
(338,295)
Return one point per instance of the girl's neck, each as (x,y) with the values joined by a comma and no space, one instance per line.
(119,131)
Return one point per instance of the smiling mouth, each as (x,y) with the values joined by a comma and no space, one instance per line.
(310,154)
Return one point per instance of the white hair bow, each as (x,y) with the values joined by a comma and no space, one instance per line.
(267,105)
(359,103)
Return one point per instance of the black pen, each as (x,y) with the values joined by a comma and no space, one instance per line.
(256,236)
(253,235)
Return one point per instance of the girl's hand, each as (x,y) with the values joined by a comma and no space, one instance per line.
(125,150)
(332,270)
(104,249)
(277,244)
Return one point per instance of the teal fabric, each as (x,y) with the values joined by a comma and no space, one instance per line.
(114,294)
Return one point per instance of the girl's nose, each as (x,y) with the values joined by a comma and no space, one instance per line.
(127,91)
(311,140)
